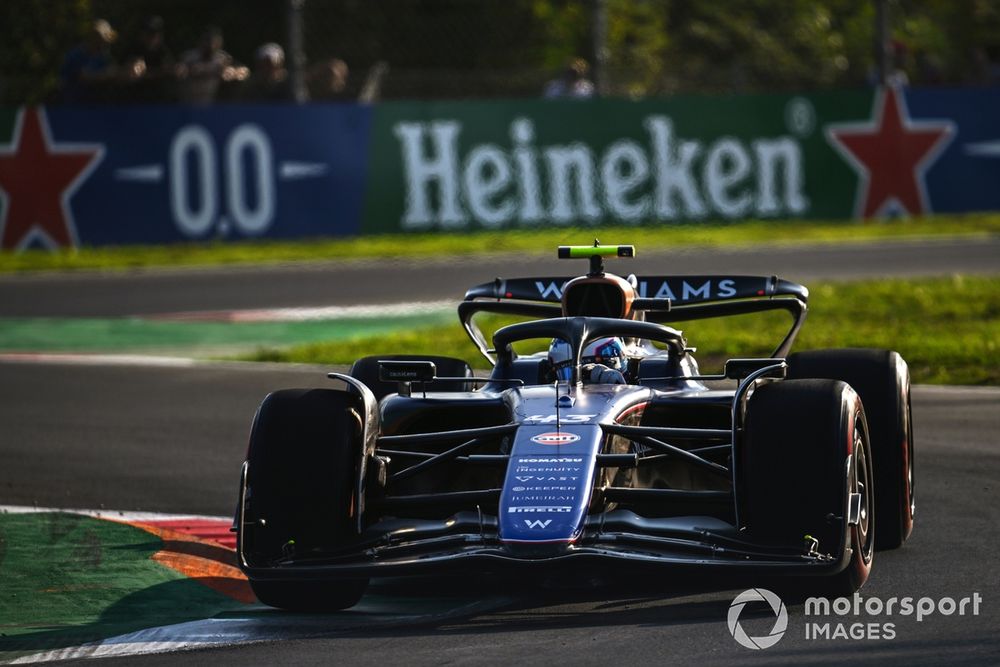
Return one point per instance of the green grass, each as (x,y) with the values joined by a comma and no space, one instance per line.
(948,329)
(541,241)
(120,335)
(70,579)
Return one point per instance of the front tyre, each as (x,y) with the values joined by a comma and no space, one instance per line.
(806,454)
(882,379)
(300,480)
(310,596)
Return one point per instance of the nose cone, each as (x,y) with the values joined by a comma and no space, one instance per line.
(547,489)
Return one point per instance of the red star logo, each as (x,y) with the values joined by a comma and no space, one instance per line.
(891,154)
(37,179)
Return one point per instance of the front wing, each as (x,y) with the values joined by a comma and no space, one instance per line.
(468,542)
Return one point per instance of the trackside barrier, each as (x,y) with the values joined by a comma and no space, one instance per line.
(163,174)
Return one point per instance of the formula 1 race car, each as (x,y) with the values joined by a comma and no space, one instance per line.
(608,447)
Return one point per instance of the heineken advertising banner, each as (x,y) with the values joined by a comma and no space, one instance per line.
(112,175)
(831,155)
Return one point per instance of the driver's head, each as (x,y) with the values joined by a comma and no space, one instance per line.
(608,352)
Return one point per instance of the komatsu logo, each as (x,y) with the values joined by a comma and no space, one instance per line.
(555,459)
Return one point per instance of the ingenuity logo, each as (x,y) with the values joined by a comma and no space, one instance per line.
(780,623)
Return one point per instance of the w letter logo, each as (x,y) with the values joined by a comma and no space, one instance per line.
(548,290)
(537,523)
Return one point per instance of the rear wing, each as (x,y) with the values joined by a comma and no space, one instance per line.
(661,299)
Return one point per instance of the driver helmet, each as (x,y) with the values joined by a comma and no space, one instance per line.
(609,352)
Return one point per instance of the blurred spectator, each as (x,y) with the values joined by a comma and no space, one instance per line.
(270,80)
(896,77)
(985,71)
(372,88)
(88,67)
(572,83)
(930,69)
(151,48)
(205,67)
(327,80)
(900,65)
(150,63)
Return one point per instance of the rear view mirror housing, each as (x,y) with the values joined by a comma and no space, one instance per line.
(406,372)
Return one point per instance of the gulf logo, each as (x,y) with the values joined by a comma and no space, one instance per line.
(555,438)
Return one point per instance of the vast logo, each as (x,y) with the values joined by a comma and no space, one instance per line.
(780,623)
(555,438)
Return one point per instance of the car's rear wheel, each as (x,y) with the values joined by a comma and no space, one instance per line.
(806,452)
(882,379)
(301,465)
(366,370)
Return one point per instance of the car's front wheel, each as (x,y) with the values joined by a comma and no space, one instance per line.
(311,596)
(299,497)
(806,468)
(882,379)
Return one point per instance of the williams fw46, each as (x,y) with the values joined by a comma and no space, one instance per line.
(607,450)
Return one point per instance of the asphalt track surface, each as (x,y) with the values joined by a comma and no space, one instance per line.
(146,292)
(172,439)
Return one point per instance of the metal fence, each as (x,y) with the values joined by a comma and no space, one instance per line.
(451,49)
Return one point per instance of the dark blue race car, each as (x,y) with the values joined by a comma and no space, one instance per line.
(607,447)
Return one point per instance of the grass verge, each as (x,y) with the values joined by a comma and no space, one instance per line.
(948,329)
(540,241)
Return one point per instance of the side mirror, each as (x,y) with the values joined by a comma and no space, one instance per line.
(406,372)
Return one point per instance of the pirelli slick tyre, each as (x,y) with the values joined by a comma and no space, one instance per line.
(310,596)
(366,370)
(301,466)
(806,451)
(882,379)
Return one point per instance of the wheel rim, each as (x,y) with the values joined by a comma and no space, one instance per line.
(910,477)
(862,485)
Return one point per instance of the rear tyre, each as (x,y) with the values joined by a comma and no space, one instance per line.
(882,379)
(800,435)
(366,370)
(304,447)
